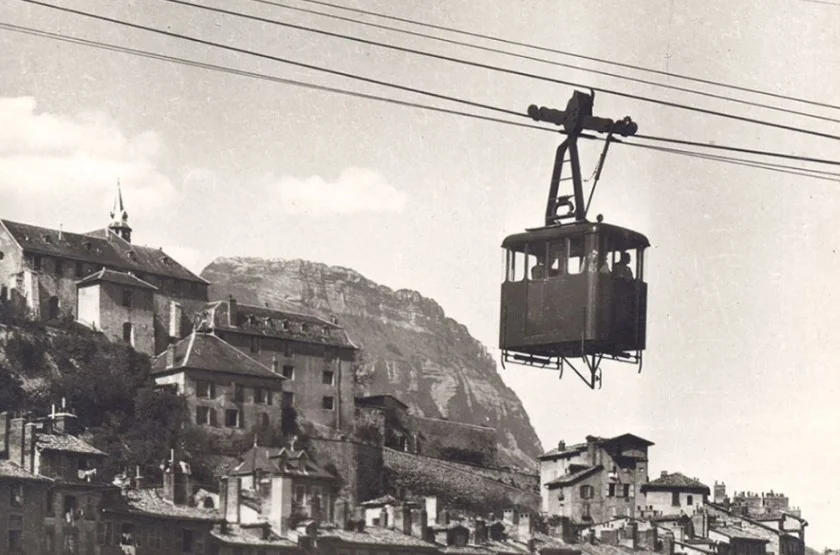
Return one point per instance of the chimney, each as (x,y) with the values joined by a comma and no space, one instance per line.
(383,518)
(170,356)
(402,519)
(174,321)
(15,443)
(632,532)
(668,543)
(176,480)
(358,519)
(5,420)
(431,510)
(511,517)
(139,480)
(232,313)
(280,505)
(341,510)
(442,518)
(480,534)
(664,474)
(561,445)
(419,523)
(30,429)
(592,450)
(231,490)
(64,421)
(389,521)
(525,530)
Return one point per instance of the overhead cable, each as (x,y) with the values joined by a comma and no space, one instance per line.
(575,54)
(546,61)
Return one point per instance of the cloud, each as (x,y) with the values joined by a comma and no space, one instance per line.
(55,167)
(356,190)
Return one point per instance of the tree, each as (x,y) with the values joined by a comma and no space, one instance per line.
(12,395)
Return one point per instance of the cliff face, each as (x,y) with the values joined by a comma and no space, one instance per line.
(411,348)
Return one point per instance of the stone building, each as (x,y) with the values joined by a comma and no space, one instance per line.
(224,387)
(315,356)
(595,481)
(121,306)
(674,494)
(40,269)
(22,499)
(50,448)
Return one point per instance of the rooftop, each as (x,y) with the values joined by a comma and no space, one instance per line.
(151,502)
(375,536)
(737,533)
(571,478)
(66,443)
(675,481)
(205,351)
(570,450)
(12,471)
(239,535)
(101,247)
(111,276)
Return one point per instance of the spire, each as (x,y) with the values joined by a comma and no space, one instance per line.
(119,217)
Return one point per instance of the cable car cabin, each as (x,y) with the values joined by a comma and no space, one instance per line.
(573,290)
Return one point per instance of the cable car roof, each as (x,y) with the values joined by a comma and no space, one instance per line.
(627,238)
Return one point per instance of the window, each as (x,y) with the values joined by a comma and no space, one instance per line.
(16,495)
(59,268)
(205,389)
(202,415)
(90,508)
(127,534)
(288,371)
(255,344)
(626,491)
(689,500)
(187,541)
(126,298)
(611,492)
(300,494)
(262,396)
(128,333)
(36,262)
(288,399)
(232,418)
(70,506)
(328,403)
(238,392)
(587,491)
(675,499)
(328,378)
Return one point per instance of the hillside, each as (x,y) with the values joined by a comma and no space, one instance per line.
(411,348)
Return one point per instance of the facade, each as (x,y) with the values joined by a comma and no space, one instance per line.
(315,356)
(225,388)
(736,541)
(22,499)
(121,306)
(780,541)
(674,494)
(595,481)
(40,268)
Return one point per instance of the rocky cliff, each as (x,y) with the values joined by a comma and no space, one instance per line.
(410,347)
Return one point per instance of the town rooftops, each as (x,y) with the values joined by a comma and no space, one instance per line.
(234,534)
(66,443)
(738,533)
(375,536)
(101,247)
(205,351)
(563,450)
(282,461)
(150,502)
(675,481)
(285,324)
(573,477)
(9,470)
(112,276)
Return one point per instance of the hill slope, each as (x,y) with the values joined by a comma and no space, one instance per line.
(414,351)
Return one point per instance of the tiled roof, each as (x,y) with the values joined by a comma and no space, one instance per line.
(570,479)
(150,501)
(112,276)
(257,458)
(101,247)
(237,535)
(66,443)
(9,469)
(256,320)
(205,351)
(379,501)
(374,535)
(737,533)
(675,481)
(272,460)
(567,452)
(578,447)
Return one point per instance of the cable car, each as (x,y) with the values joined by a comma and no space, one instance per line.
(574,290)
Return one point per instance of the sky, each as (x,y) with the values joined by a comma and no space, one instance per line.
(739,382)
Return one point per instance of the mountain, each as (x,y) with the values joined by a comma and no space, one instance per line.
(410,347)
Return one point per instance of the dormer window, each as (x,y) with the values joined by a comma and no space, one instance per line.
(87,245)
(132,255)
(47,239)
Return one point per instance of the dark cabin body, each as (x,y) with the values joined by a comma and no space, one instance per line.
(564,296)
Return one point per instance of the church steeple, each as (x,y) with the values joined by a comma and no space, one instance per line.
(119,217)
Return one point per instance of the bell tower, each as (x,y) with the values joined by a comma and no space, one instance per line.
(119,217)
